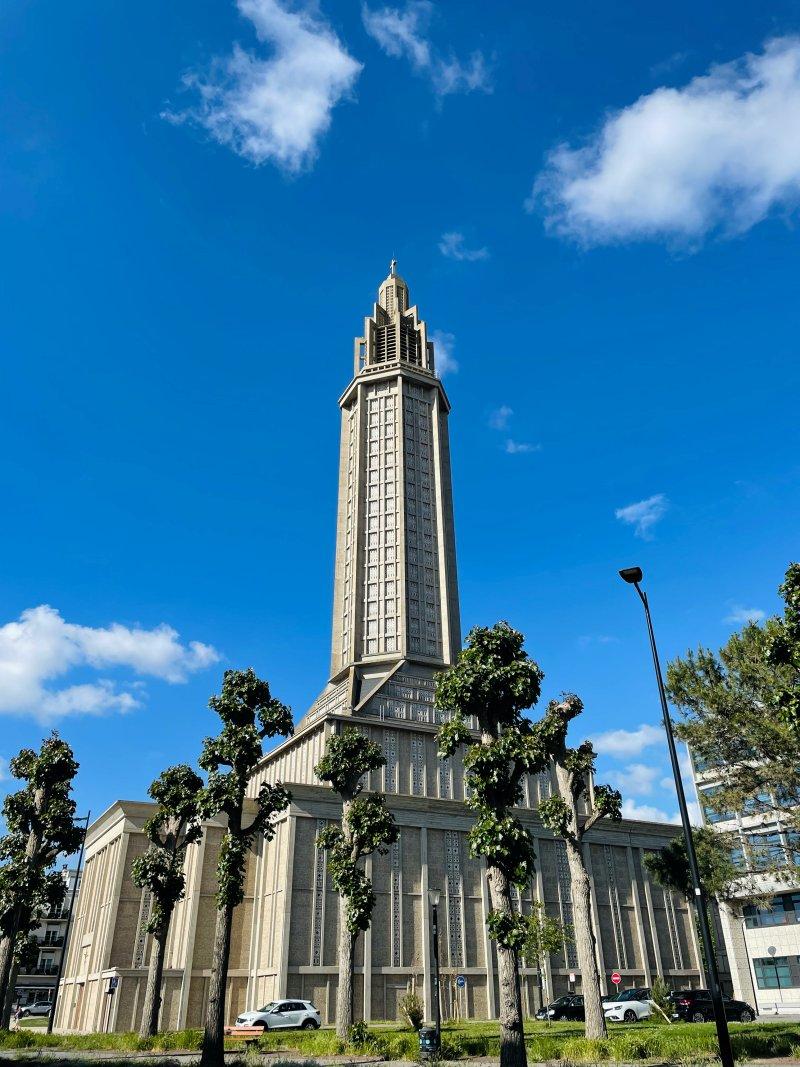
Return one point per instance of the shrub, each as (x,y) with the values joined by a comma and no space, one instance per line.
(358,1034)
(412,1010)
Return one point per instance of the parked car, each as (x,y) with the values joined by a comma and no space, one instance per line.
(566,1007)
(629,1010)
(638,993)
(40,1009)
(283,1015)
(694,1006)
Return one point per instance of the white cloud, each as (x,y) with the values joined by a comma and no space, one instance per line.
(644,514)
(403,32)
(624,743)
(740,615)
(275,109)
(720,153)
(3,769)
(516,447)
(41,646)
(452,247)
(647,812)
(443,345)
(635,778)
(597,639)
(498,419)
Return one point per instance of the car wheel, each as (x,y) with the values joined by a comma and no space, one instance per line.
(630,1016)
(309,1024)
(698,1017)
(746,1016)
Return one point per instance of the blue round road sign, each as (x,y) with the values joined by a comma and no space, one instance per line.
(461,981)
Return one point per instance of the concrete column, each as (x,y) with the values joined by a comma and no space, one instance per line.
(739,960)
(283,959)
(548,971)
(637,910)
(368,955)
(426,927)
(491,1005)
(193,906)
(598,939)
(648,897)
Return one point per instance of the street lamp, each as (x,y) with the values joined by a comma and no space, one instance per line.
(434,897)
(633,576)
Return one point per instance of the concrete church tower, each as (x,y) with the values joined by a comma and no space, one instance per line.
(395,625)
(395,593)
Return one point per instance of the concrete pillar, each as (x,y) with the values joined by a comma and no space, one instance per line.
(637,910)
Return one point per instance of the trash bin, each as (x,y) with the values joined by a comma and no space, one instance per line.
(428,1042)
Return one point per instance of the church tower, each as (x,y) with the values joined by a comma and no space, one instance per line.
(395,591)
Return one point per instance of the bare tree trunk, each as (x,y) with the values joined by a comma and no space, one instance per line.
(6,984)
(213,1054)
(9,1001)
(585,942)
(344,993)
(512,1035)
(152,993)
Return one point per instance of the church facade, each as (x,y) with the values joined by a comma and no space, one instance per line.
(395,625)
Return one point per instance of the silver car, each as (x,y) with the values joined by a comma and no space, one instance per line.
(283,1015)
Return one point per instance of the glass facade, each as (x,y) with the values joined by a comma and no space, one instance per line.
(783,910)
(777,972)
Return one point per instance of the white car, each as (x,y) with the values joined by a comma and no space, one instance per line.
(283,1015)
(627,1011)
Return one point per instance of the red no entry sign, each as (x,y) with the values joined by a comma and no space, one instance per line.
(616,977)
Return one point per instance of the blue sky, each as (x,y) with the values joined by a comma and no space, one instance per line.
(595,208)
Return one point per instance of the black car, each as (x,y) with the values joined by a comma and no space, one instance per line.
(566,1007)
(694,1006)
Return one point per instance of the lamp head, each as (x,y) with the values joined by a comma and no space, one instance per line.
(434,896)
(631,575)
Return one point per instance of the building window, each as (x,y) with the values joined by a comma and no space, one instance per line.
(774,972)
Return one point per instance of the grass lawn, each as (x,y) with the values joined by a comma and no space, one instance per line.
(676,1043)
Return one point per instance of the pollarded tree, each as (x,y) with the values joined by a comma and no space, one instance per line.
(40,823)
(494,681)
(175,826)
(561,813)
(249,713)
(367,827)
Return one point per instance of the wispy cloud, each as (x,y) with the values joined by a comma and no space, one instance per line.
(274,109)
(648,813)
(443,345)
(637,779)
(452,246)
(720,153)
(627,743)
(41,646)
(515,448)
(403,32)
(498,419)
(644,514)
(585,640)
(3,769)
(740,615)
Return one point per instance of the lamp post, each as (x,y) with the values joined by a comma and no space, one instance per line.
(633,576)
(433,897)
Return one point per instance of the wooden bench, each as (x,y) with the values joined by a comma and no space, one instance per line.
(249,1034)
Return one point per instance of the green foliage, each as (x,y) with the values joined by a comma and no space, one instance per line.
(367,824)
(348,756)
(508,930)
(175,826)
(559,813)
(494,680)
(659,994)
(40,824)
(783,650)
(650,1040)
(358,1034)
(544,935)
(724,699)
(412,1010)
(249,713)
(718,873)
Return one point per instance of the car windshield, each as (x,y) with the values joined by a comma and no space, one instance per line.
(269,1007)
(629,994)
(562,1000)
